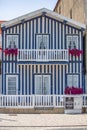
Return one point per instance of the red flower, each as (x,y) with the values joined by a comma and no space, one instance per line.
(73,90)
(13,51)
(75,52)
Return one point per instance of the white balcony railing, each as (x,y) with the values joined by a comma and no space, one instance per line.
(43,55)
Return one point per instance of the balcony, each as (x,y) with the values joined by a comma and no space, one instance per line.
(43,55)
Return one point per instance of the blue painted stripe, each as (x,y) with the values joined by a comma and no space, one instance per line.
(33,34)
(41,24)
(44,24)
(58,79)
(29,35)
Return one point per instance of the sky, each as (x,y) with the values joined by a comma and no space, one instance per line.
(10,9)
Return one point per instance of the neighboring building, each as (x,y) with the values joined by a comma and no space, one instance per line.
(43,67)
(73,9)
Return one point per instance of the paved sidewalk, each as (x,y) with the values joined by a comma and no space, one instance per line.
(43,121)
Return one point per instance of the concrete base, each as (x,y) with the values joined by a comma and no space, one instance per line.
(32,111)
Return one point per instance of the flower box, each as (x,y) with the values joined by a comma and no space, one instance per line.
(73,90)
(75,52)
(11,51)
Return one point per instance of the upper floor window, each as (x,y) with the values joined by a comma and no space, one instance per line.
(72,80)
(12,41)
(42,41)
(72,41)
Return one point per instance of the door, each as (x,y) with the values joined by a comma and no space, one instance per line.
(42,89)
(42,44)
(42,84)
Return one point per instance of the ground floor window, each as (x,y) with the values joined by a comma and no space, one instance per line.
(12,84)
(72,80)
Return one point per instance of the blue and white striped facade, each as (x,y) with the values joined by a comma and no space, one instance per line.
(27,28)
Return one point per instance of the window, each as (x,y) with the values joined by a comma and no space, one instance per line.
(12,41)
(72,80)
(12,84)
(72,41)
(42,41)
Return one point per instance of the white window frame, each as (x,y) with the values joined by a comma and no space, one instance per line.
(42,38)
(73,39)
(12,41)
(7,76)
(73,80)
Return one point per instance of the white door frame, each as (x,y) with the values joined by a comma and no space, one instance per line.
(43,76)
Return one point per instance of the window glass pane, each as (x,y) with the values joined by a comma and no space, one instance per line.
(42,41)
(75,80)
(69,42)
(69,80)
(75,41)
(12,41)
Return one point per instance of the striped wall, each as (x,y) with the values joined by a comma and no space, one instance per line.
(27,31)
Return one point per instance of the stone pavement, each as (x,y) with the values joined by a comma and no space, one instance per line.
(43,121)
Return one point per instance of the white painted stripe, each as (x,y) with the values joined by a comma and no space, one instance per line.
(56,35)
(38,25)
(21,79)
(53,78)
(70,67)
(63,78)
(81,75)
(46,25)
(31,77)
(46,69)
(31,35)
(28,35)
(76,67)
(24,77)
(42,68)
(27,79)
(24,35)
(73,67)
(63,38)
(56,79)
(60,35)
